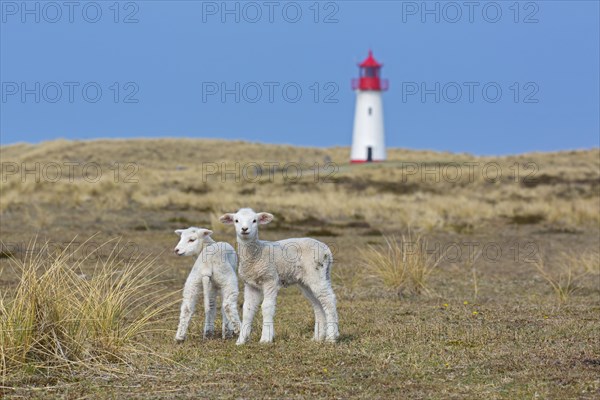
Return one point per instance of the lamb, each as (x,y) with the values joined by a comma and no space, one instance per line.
(215,270)
(267,266)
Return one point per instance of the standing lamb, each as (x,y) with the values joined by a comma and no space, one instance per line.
(215,270)
(267,266)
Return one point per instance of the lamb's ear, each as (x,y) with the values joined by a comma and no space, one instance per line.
(179,231)
(227,218)
(207,233)
(264,218)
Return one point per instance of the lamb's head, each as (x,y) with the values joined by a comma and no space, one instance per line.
(246,222)
(191,241)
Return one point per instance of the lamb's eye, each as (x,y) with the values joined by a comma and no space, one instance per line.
(236,221)
(192,240)
(254,221)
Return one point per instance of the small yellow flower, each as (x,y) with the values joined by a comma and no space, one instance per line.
(475,312)
(465,302)
(325,370)
(545,317)
(445,304)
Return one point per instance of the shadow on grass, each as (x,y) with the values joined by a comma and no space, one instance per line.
(347,338)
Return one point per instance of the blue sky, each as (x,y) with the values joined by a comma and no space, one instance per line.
(485,78)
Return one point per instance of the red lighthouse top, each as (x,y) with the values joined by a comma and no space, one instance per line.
(370,62)
(370,76)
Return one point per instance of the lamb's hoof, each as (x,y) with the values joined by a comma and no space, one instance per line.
(229,334)
(179,340)
(240,343)
(209,335)
(266,341)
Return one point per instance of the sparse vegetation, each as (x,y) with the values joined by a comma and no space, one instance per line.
(588,261)
(470,263)
(489,326)
(419,188)
(569,272)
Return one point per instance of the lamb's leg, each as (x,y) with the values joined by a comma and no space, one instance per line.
(191,292)
(210,307)
(326,297)
(230,311)
(320,320)
(225,331)
(252,298)
(268,312)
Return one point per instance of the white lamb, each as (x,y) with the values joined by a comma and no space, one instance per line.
(215,270)
(267,266)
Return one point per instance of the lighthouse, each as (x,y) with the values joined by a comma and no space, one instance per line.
(368,143)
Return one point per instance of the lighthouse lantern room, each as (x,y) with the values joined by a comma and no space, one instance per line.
(368,143)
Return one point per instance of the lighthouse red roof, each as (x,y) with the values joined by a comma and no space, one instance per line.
(370,61)
(370,76)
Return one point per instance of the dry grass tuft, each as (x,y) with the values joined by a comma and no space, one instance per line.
(589,262)
(399,265)
(58,318)
(570,272)
(475,275)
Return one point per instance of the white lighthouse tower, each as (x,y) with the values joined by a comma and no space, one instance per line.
(368,142)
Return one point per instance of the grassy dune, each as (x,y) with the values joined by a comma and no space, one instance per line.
(457,276)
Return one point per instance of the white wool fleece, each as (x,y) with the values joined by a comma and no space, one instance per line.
(215,271)
(267,266)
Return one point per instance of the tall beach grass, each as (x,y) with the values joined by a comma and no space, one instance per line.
(60,317)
